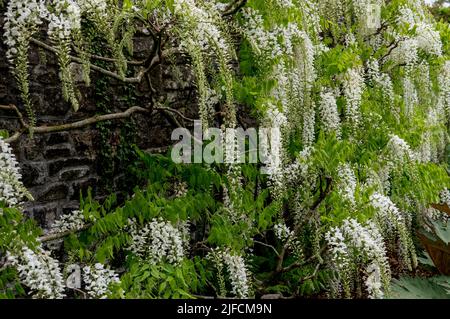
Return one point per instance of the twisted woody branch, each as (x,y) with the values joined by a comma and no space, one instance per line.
(86,122)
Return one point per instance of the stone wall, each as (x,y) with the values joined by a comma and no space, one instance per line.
(57,166)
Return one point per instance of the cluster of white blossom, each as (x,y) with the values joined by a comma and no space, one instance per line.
(201,25)
(298,172)
(347,183)
(410,96)
(399,150)
(39,272)
(277,117)
(69,222)
(353,245)
(309,122)
(279,41)
(311,17)
(329,114)
(304,58)
(444,85)
(373,281)
(158,241)
(294,73)
(353,89)
(394,225)
(238,274)
(22,17)
(232,152)
(350,40)
(200,29)
(281,75)
(98,279)
(406,51)
(232,266)
(445,197)
(65,17)
(264,42)
(426,37)
(423,79)
(427,151)
(339,250)
(282,232)
(380,79)
(12,191)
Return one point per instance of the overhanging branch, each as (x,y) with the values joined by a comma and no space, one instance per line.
(72,126)
(153,61)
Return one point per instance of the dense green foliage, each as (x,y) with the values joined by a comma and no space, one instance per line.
(361,102)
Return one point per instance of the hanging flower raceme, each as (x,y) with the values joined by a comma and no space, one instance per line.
(426,37)
(398,150)
(353,82)
(202,37)
(347,183)
(329,114)
(383,81)
(12,191)
(444,86)
(238,273)
(158,241)
(39,272)
(22,20)
(445,197)
(354,246)
(264,42)
(410,97)
(394,225)
(98,280)
(65,21)
(73,221)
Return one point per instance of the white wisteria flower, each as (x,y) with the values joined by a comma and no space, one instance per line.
(238,274)
(353,82)
(70,222)
(347,183)
(22,18)
(39,272)
(394,224)
(158,241)
(354,245)
(12,190)
(329,114)
(98,280)
(399,150)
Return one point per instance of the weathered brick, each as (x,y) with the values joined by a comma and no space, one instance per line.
(33,174)
(57,152)
(58,165)
(57,138)
(74,173)
(54,193)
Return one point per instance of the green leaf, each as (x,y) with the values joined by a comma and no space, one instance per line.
(418,288)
